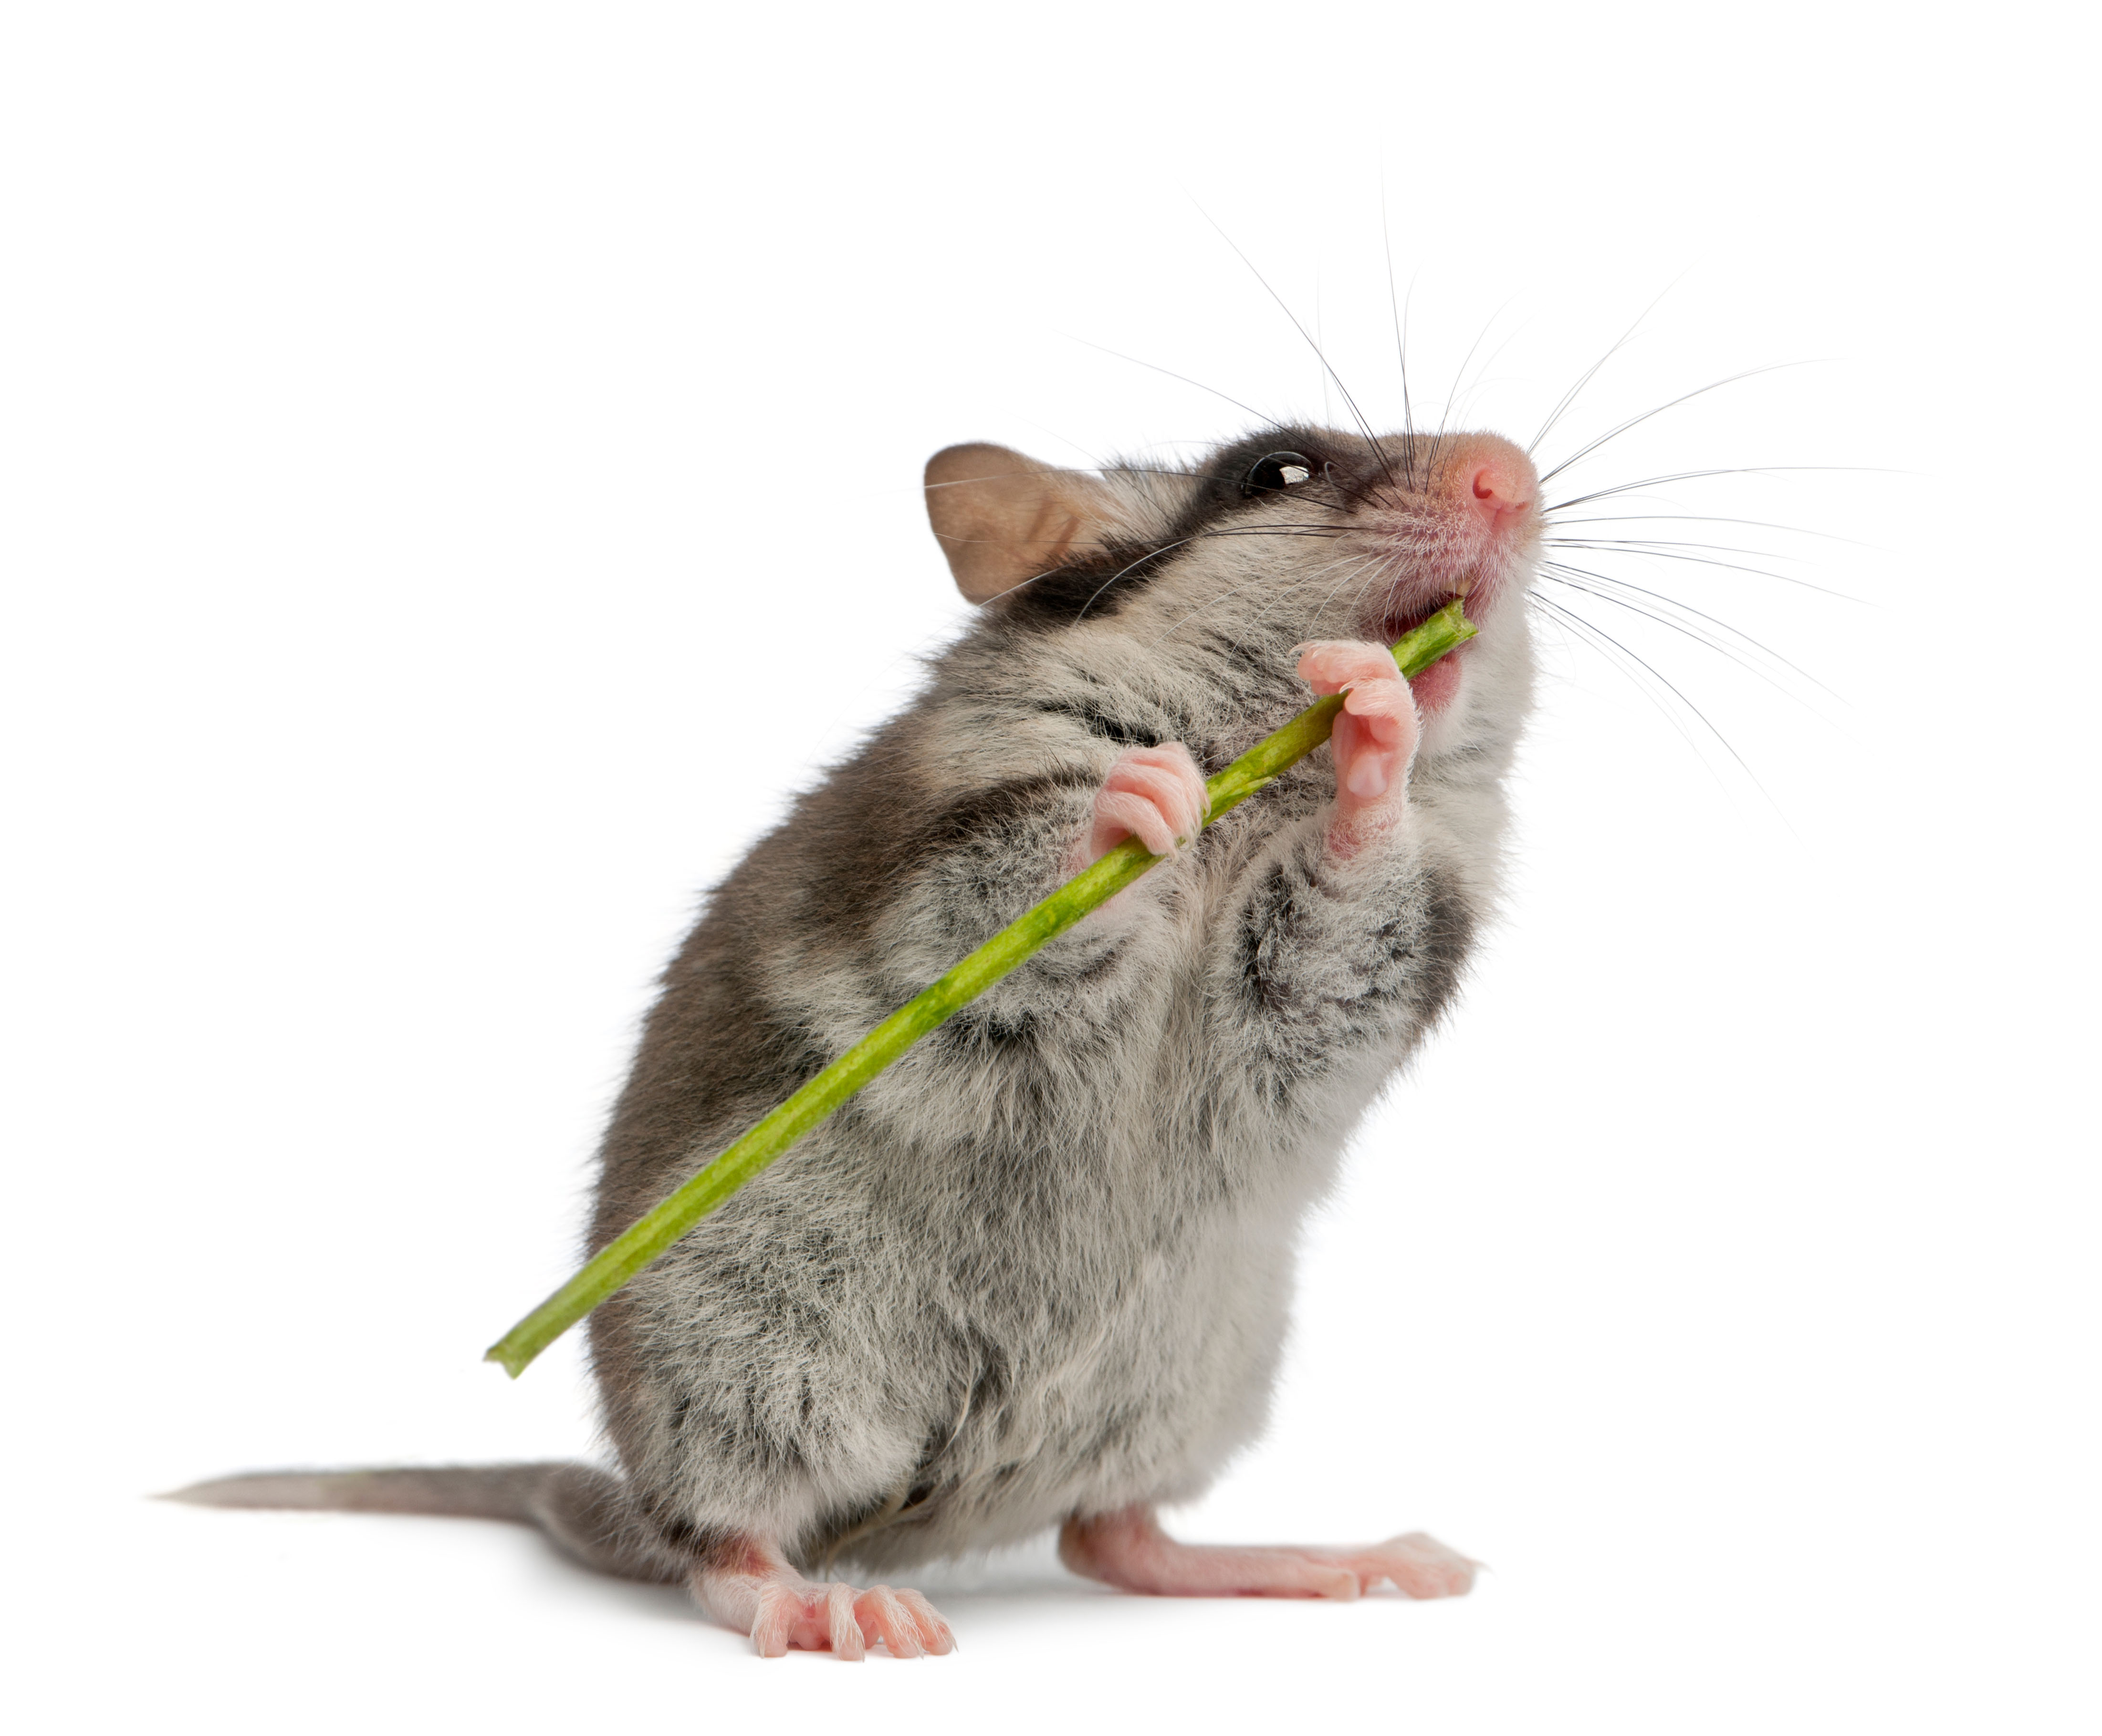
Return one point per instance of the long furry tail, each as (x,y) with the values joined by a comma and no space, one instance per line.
(585,1510)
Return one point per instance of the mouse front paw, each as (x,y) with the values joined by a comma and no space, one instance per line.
(1375,735)
(1156,795)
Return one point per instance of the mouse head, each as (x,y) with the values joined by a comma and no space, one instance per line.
(1292,533)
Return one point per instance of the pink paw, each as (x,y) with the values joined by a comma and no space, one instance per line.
(1417,1564)
(760,1595)
(1130,1550)
(1375,732)
(1155,795)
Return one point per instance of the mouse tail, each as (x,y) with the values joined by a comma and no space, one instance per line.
(583,1510)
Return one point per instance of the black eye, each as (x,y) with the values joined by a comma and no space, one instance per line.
(1275,470)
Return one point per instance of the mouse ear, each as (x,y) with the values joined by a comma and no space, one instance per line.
(1002,518)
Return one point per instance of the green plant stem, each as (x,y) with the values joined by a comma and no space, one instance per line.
(650,1235)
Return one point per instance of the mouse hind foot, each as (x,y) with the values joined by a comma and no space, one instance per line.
(749,1586)
(1128,1550)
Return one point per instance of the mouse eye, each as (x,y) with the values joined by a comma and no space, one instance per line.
(1275,470)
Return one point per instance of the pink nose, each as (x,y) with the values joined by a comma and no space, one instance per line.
(1503,484)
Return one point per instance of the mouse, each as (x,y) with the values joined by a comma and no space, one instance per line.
(1037,1275)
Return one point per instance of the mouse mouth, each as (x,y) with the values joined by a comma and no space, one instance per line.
(1404,616)
(1435,688)
(1401,620)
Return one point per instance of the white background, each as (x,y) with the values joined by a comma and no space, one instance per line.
(458,473)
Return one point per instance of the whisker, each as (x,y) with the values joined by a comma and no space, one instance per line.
(1318,532)
(1562,619)
(1300,498)
(1647,544)
(1171,373)
(1593,626)
(1178,622)
(1569,397)
(1328,527)
(1373,576)
(1604,587)
(1733,566)
(1347,564)
(1484,380)
(1019,584)
(1378,450)
(1369,569)
(1311,534)
(1345,561)
(1695,476)
(1584,452)
(1219,597)
(1461,375)
(1151,554)
(1319,333)
(1709,518)
(1399,310)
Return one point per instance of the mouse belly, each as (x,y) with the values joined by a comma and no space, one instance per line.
(1144,1399)
(867,1384)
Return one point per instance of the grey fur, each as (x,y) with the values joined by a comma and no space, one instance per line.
(1041,1267)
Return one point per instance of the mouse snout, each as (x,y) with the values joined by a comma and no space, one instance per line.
(1497,478)
(1462,524)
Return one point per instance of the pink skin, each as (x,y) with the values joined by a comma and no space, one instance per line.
(1501,484)
(1154,794)
(1157,794)
(1375,735)
(1481,511)
(757,1593)
(1496,487)
(1128,1550)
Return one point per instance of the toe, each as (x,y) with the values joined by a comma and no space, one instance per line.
(1121,811)
(934,1632)
(1421,1566)
(1367,767)
(1168,779)
(1172,756)
(1334,1584)
(778,1609)
(1387,701)
(842,1628)
(890,1620)
(1329,665)
(1165,789)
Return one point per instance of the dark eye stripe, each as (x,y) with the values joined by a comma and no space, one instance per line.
(1275,471)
